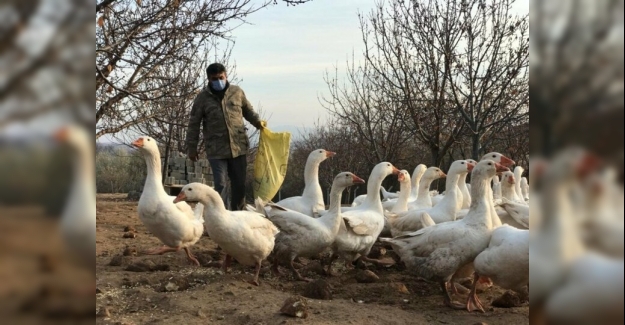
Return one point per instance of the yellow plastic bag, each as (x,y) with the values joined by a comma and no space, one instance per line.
(271,162)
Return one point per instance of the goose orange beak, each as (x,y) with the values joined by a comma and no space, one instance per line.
(540,168)
(395,170)
(330,154)
(501,168)
(181,197)
(400,177)
(470,167)
(511,180)
(61,135)
(358,180)
(138,143)
(507,162)
(587,164)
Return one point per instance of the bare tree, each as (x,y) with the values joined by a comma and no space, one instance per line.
(45,50)
(401,49)
(486,64)
(577,76)
(513,139)
(368,113)
(171,113)
(341,140)
(136,40)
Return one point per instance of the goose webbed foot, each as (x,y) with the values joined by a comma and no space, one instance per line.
(256,274)
(447,298)
(191,257)
(226,263)
(376,261)
(160,251)
(458,289)
(296,273)
(473,301)
(274,268)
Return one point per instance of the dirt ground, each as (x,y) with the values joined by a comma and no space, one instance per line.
(166,289)
(39,282)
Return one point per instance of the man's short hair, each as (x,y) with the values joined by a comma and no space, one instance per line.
(215,68)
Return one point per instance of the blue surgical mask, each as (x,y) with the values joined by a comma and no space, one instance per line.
(218,85)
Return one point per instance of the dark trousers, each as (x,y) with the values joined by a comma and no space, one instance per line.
(235,169)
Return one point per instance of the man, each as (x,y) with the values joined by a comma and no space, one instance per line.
(220,109)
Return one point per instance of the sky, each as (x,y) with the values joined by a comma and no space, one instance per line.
(283,54)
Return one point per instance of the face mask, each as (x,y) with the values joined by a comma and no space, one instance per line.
(218,85)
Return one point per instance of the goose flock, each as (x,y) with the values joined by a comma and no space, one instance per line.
(441,240)
(478,230)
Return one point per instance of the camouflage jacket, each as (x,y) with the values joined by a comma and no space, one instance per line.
(222,122)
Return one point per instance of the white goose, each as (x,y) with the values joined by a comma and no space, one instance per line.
(505,262)
(417,175)
(506,162)
(412,220)
(312,197)
(602,228)
(518,174)
(516,213)
(402,202)
(303,236)
(464,189)
(424,199)
(78,221)
(415,182)
(388,195)
(591,287)
(437,252)
(175,225)
(405,192)
(496,188)
(247,236)
(438,197)
(525,189)
(363,224)
(556,244)
(467,270)
(591,293)
(508,185)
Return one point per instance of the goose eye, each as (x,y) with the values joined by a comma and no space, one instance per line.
(190,189)
(462,163)
(148,139)
(494,156)
(320,151)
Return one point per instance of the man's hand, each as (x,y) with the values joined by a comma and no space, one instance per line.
(193,156)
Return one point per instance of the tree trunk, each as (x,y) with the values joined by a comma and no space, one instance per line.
(475,149)
(165,168)
(436,159)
